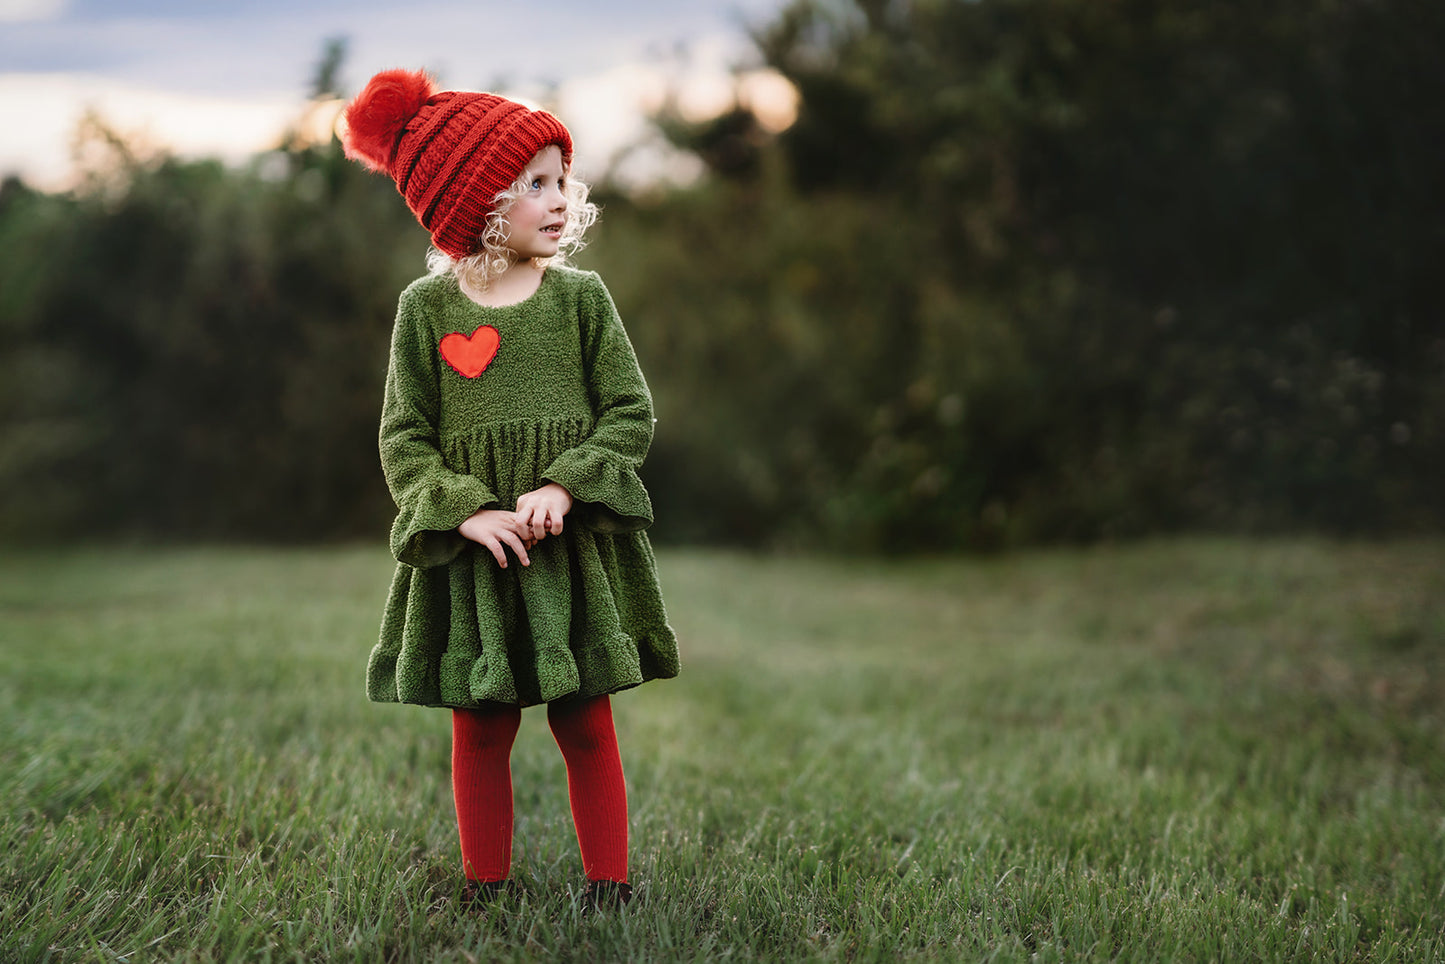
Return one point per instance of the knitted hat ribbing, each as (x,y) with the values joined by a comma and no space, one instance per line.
(450,152)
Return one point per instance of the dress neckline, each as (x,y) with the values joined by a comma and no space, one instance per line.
(546,277)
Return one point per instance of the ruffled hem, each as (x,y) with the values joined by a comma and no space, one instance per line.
(460,681)
(585,618)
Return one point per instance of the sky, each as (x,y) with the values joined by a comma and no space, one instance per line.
(227,79)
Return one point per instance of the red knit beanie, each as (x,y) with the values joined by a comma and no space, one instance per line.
(450,152)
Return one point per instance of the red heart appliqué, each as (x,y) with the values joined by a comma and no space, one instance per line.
(470,356)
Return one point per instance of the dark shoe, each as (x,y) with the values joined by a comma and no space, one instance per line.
(605,895)
(482,893)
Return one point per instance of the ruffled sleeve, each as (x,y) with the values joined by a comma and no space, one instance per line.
(432,500)
(601,472)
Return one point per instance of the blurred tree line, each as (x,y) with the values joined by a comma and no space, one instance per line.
(1021,271)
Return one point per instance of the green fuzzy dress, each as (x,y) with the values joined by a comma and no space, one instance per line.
(482,406)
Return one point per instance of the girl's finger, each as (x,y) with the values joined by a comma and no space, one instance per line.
(497,551)
(515,541)
(527,523)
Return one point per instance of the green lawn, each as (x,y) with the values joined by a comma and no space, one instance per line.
(1197,751)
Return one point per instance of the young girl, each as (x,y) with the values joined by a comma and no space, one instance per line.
(513,424)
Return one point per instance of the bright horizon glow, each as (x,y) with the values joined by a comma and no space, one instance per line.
(607,113)
(230,81)
(48,109)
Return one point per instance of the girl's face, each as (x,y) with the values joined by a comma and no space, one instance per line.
(533,226)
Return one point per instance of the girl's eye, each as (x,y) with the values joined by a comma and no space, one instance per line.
(536,184)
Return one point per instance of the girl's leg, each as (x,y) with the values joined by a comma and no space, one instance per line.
(482,787)
(588,742)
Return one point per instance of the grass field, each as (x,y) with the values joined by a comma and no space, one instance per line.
(1193,751)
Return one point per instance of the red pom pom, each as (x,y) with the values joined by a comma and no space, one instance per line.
(373,121)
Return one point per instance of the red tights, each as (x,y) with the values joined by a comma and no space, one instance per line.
(482,786)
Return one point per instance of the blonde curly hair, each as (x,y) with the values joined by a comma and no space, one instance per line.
(492,257)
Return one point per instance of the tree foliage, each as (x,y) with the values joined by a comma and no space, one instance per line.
(1022,270)
(1075,270)
(191,351)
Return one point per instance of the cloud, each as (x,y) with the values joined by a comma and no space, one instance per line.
(24,11)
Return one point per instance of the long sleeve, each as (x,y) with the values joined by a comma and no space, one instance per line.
(601,471)
(432,499)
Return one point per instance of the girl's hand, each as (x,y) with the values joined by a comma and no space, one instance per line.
(497,529)
(540,512)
